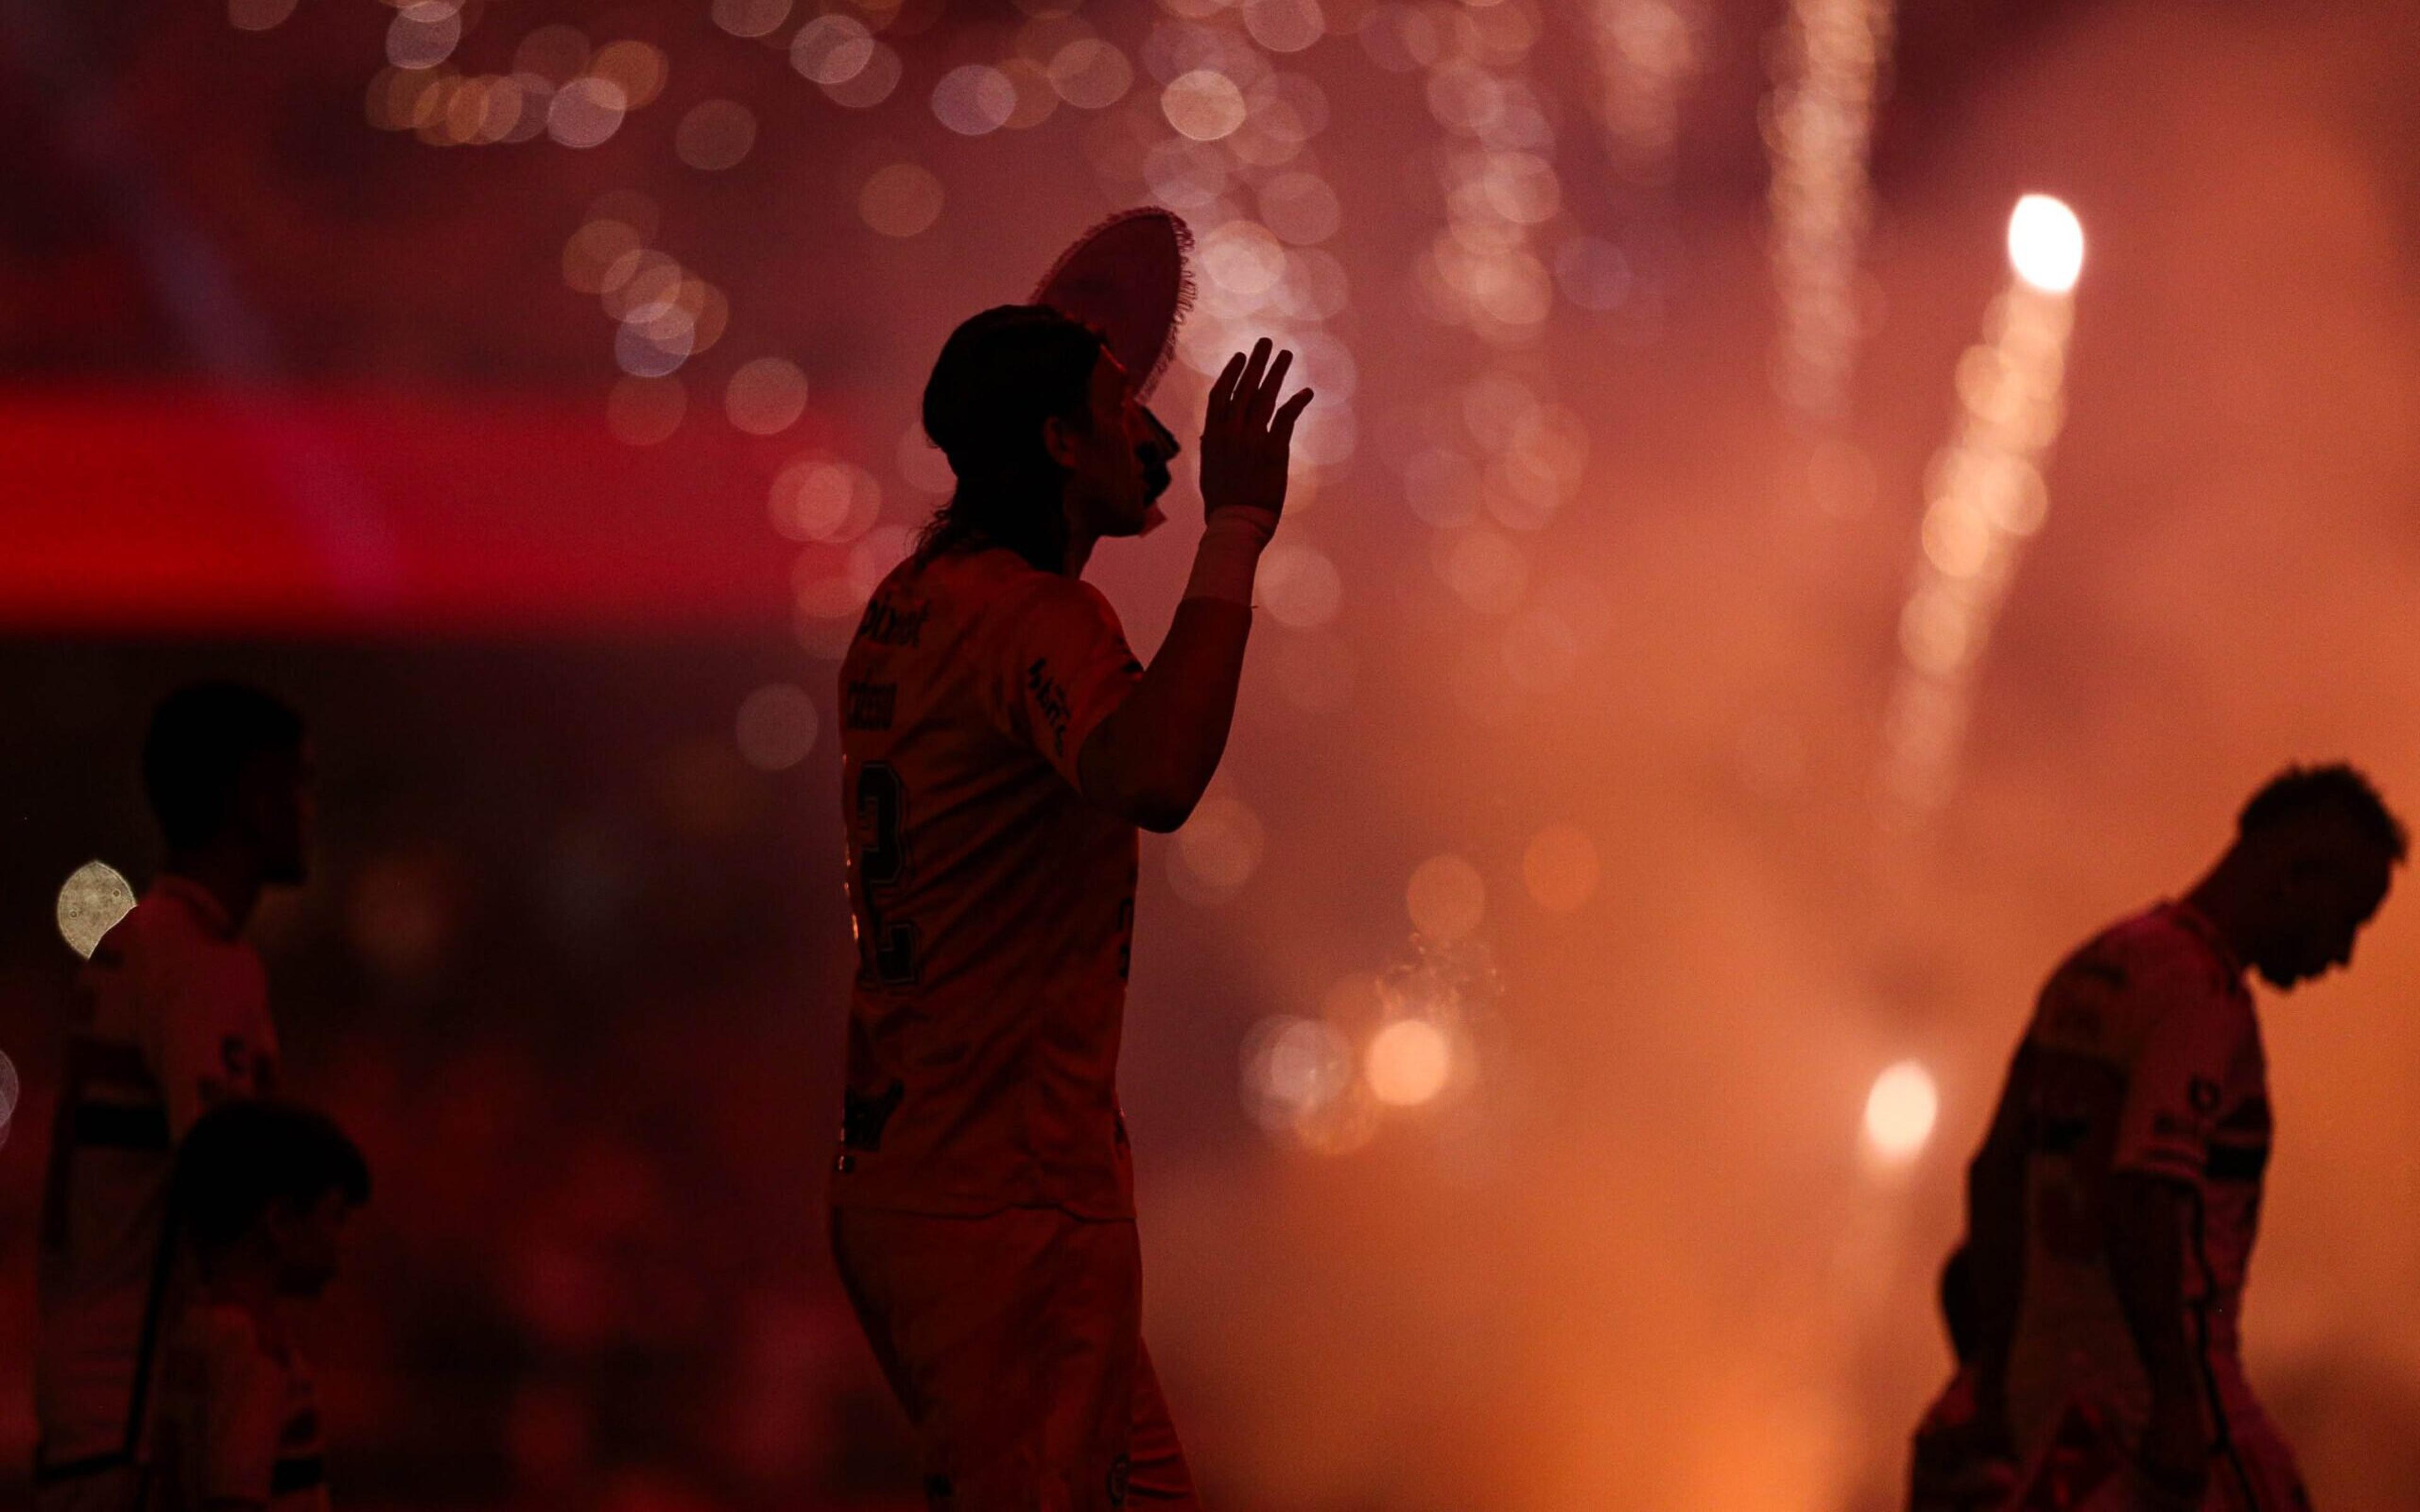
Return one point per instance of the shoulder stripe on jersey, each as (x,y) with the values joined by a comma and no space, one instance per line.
(298,1473)
(112,1126)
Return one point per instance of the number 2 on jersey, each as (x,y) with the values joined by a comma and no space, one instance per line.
(887,946)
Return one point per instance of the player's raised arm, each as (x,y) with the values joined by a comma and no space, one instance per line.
(1152,759)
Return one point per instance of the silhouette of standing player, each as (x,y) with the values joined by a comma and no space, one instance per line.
(171,1017)
(1001,745)
(2113,1207)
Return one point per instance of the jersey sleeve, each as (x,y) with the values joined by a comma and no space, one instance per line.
(1064,667)
(243,1413)
(2177,1077)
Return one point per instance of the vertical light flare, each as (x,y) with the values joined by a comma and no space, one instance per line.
(1985,499)
(1647,55)
(1818,132)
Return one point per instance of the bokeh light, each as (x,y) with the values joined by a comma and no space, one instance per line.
(1447,898)
(10,1089)
(832,50)
(92,902)
(1203,104)
(1408,1062)
(251,16)
(818,497)
(750,18)
(586,112)
(1217,851)
(902,200)
(1299,586)
(1295,1071)
(638,70)
(1901,1111)
(424,34)
(1090,73)
(974,100)
(765,396)
(2046,243)
(776,727)
(715,134)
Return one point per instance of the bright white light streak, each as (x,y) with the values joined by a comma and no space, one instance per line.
(1984,500)
(1819,129)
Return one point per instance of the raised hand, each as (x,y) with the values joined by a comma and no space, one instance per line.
(1247,436)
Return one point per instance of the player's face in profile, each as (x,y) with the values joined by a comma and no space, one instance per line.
(277,808)
(1121,465)
(2333,880)
(309,1240)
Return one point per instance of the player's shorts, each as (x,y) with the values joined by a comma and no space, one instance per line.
(1014,1341)
(118,1489)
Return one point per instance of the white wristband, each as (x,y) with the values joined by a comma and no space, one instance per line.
(1230,553)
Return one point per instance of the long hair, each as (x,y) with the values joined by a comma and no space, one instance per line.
(999,376)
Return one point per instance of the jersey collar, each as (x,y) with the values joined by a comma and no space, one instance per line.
(203,903)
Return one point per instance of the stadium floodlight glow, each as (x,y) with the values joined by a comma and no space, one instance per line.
(2046,243)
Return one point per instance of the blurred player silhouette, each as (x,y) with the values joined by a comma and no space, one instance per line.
(2112,1206)
(171,1016)
(1001,745)
(261,1193)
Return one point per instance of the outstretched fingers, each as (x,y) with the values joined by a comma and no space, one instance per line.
(1265,398)
(1282,425)
(1222,391)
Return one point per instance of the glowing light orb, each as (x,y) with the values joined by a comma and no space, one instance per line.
(1203,104)
(91,902)
(2046,243)
(974,100)
(1447,898)
(1300,587)
(832,50)
(765,396)
(1407,1063)
(901,200)
(776,727)
(1217,852)
(1901,1111)
(251,16)
(1294,1069)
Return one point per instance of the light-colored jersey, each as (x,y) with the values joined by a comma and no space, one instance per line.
(238,1420)
(171,1016)
(2146,1059)
(993,905)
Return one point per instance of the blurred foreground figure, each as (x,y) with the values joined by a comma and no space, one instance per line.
(171,1016)
(999,746)
(261,1193)
(2112,1206)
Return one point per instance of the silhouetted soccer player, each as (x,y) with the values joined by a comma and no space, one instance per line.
(261,1193)
(171,1016)
(999,746)
(2112,1206)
